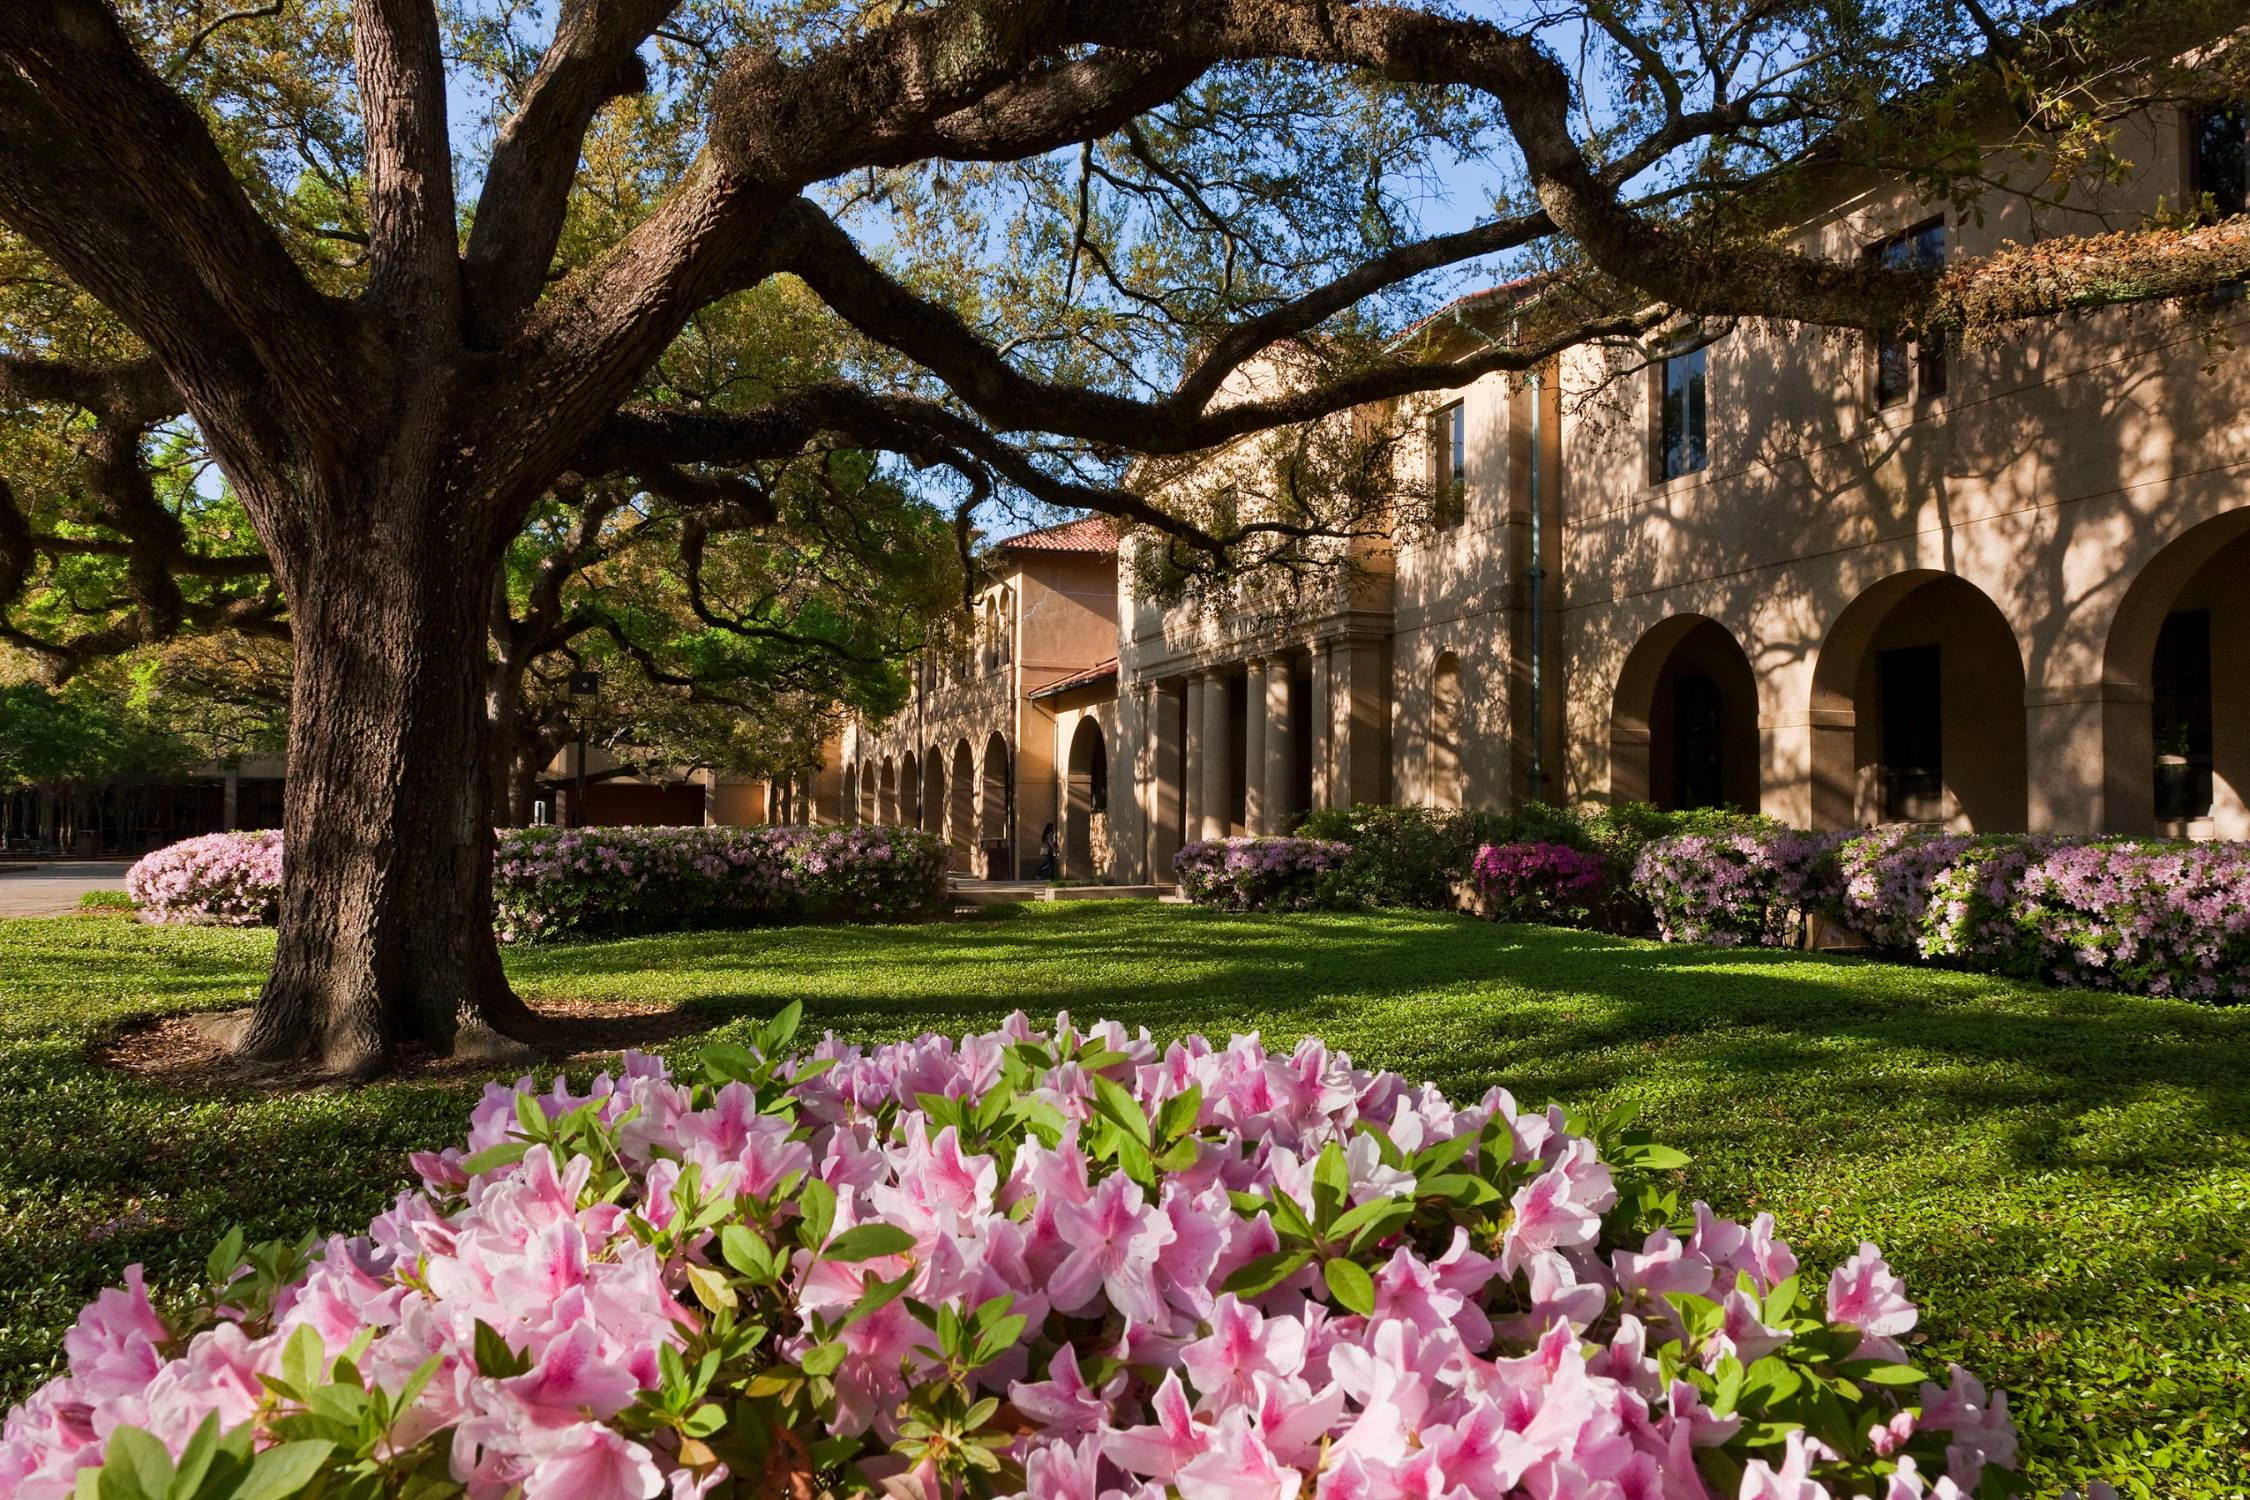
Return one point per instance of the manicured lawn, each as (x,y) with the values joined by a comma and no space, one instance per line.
(2063,1179)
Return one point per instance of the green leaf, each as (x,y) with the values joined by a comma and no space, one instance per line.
(866,1241)
(823,1359)
(495,1360)
(1332,1183)
(782,1029)
(711,1288)
(302,1359)
(1878,1372)
(1266,1272)
(506,1154)
(727,1062)
(1782,1301)
(135,1466)
(1113,1103)
(225,1257)
(1178,1114)
(817,1202)
(196,1459)
(1350,1285)
(283,1470)
(746,1253)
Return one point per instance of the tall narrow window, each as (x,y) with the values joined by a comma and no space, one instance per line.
(1685,434)
(1449,465)
(1906,370)
(2220,158)
(2182,689)
(1913,735)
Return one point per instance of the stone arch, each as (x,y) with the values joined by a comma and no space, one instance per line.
(910,790)
(847,810)
(961,809)
(2175,710)
(886,792)
(1683,721)
(933,791)
(996,797)
(1087,786)
(1448,781)
(1917,710)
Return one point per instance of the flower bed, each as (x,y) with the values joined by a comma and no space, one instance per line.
(1279,874)
(1538,882)
(1063,1264)
(602,882)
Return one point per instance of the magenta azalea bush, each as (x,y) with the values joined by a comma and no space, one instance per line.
(603,882)
(1746,886)
(1062,1264)
(1262,874)
(1538,882)
(220,879)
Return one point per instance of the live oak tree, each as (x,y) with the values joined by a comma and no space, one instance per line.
(1057,228)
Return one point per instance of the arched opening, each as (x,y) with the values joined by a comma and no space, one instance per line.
(1684,721)
(933,792)
(1086,807)
(996,809)
(1446,783)
(870,799)
(1917,710)
(2176,682)
(847,810)
(961,810)
(909,791)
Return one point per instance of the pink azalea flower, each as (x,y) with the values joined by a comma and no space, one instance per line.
(595,1463)
(1114,1241)
(1162,1449)
(1243,1345)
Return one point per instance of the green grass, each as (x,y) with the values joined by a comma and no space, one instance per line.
(2062,1178)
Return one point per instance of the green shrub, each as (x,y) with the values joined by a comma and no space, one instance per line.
(1405,856)
(107,901)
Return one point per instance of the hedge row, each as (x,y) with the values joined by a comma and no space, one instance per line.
(552,883)
(2118,914)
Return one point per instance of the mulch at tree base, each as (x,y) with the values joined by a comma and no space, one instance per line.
(194,1051)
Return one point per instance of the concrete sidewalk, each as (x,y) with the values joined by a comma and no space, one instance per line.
(48,890)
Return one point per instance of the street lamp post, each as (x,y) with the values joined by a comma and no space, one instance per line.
(585,687)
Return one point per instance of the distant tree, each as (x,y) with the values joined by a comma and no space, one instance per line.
(1058,229)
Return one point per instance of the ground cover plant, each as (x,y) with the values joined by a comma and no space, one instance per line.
(552,883)
(2059,1179)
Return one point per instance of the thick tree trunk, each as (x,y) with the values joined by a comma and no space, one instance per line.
(386,912)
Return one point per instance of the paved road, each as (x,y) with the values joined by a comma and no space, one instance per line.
(50,889)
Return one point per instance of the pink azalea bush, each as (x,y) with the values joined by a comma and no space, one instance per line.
(1262,874)
(2118,914)
(1743,886)
(594,882)
(1538,882)
(1063,1264)
(220,879)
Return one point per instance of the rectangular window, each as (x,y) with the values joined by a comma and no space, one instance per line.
(2182,688)
(1907,370)
(1913,735)
(1684,439)
(2220,160)
(1449,465)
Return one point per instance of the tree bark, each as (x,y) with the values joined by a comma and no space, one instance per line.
(386,916)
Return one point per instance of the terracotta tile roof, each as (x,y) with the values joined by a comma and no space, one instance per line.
(1096,534)
(1101,671)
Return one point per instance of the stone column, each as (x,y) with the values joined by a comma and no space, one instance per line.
(1360,705)
(1319,724)
(1194,750)
(1218,753)
(1280,769)
(1255,820)
(1166,739)
(230,807)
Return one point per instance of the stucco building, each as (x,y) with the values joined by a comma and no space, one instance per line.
(1995,588)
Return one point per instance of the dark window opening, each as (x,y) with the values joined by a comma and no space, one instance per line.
(2182,715)
(1449,466)
(1913,736)
(1698,767)
(1684,446)
(2221,160)
(1910,370)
